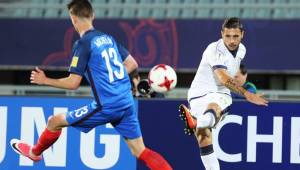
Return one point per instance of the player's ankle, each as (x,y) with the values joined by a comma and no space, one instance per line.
(32,153)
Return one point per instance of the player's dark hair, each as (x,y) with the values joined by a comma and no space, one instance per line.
(243,69)
(81,8)
(233,22)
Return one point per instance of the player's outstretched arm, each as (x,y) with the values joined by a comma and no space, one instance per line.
(71,82)
(256,98)
(130,64)
(230,83)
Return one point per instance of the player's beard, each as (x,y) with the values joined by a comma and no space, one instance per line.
(232,47)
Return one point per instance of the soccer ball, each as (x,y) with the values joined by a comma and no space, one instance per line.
(162,78)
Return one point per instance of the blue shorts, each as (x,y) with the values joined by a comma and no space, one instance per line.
(125,121)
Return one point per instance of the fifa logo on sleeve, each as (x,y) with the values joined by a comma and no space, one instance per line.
(74,61)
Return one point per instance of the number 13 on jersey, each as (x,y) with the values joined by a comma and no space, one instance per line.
(113,65)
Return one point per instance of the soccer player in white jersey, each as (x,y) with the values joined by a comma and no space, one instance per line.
(209,95)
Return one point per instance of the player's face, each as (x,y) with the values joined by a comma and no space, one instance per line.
(232,37)
(240,78)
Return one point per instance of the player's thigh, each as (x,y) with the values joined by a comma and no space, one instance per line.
(128,124)
(136,145)
(219,101)
(215,101)
(198,106)
(88,117)
(74,116)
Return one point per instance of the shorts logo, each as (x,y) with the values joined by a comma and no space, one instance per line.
(74,61)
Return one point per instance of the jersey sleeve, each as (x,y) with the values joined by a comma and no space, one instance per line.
(80,59)
(123,52)
(216,60)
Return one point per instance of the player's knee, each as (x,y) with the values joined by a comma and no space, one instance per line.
(216,109)
(51,124)
(214,106)
(54,122)
(49,118)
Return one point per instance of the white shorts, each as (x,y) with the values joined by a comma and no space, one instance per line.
(199,105)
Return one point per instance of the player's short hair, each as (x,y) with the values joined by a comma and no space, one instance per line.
(81,8)
(233,22)
(243,69)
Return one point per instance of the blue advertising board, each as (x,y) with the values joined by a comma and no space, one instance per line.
(251,137)
(25,118)
(179,43)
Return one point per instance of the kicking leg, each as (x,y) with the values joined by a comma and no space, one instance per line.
(207,120)
(210,117)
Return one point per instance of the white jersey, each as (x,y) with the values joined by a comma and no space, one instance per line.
(215,56)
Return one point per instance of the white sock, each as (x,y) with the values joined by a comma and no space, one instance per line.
(210,162)
(206,120)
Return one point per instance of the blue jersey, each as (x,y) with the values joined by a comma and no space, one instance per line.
(99,58)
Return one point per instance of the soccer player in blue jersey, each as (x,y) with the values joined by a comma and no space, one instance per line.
(105,65)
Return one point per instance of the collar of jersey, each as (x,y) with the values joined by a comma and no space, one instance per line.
(86,32)
(223,49)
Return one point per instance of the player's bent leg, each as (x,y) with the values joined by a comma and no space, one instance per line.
(47,138)
(190,122)
(210,117)
(50,134)
(153,160)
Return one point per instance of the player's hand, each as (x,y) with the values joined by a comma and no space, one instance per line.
(38,76)
(143,87)
(257,99)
